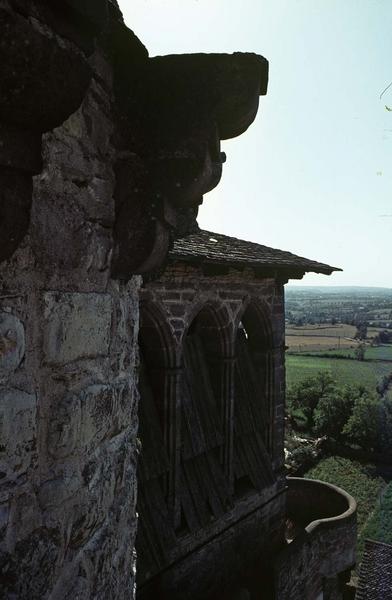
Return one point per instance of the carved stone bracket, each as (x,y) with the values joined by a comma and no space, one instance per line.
(42,81)
(173,113)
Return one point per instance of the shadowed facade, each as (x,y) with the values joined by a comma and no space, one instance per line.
(213,505)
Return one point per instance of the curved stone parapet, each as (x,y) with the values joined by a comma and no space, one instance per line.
(315,503)
(320,552)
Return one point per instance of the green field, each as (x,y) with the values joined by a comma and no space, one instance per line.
(371,352)
(379,525)
(366,373)
(340,330)
(320,338)
(379,353)
(311,343)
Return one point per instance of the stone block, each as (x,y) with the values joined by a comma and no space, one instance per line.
(77,326)
(31,566)
(82,420)
(98,203)
(23,518)
(64,427)
(177,310)
(12,343)
(17,433)
(4,515)
(58,492)
(102,409)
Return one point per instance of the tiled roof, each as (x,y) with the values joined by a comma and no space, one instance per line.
(375,576)
(215,248)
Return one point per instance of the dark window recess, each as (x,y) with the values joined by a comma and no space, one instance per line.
(155,533)
(204,490)
(252,421)
(182,528)
(243,487)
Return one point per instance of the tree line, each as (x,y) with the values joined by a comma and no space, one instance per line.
(349,414)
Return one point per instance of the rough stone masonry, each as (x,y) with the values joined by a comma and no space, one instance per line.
(105,155)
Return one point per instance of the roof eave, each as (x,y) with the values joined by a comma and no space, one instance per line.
(289,271)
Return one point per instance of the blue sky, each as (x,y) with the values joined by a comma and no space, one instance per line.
(313,173)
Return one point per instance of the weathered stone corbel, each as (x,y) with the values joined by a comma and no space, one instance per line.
(173,113)
(44,74)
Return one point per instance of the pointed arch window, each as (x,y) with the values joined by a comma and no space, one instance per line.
(253,423)
(157,433)
(204,489)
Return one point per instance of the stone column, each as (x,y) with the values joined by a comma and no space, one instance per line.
(227,403)
(173,439)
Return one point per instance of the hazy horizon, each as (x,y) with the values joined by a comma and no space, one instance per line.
(312,175)
(293,283)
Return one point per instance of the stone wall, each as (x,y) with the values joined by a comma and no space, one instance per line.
(237,563)
(68,383)
(184,290)
(232,548)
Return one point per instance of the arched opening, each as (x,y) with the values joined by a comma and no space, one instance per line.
(204,348)
(157,434)
(204,489)
(253,424)
(157,357)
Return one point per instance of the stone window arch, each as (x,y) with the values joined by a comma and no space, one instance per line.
(204,490)
(158,431)
(210,329)
(253,400)
(157,359)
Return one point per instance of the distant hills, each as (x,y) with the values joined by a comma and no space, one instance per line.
(338,289)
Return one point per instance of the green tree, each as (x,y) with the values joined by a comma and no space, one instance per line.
(384,385)
(385,426)
(306,394)
(375,340)
(363,426)
(334,410)
(359,352)
(385,337)
(361,332)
